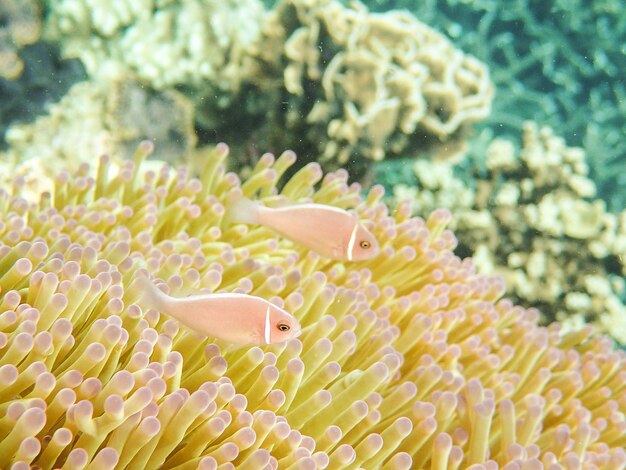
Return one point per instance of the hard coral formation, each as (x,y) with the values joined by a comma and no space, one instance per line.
(45,79)
(197,43)
(111,116)
(532,218)
(409,361)
(136,112)
(369,85)
(556,62)
(20,25)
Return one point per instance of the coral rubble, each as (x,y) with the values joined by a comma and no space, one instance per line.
(532,218)
(408,361)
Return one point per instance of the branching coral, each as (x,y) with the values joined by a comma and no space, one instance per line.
(532,218)
(193,47)
(409,360)
(20,25)
(370,85)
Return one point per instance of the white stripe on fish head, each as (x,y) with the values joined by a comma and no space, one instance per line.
(352,241)
(267,325)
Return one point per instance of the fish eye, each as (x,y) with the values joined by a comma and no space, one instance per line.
(283,327)
(365,244)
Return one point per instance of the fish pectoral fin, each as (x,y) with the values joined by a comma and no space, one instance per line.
(338,252)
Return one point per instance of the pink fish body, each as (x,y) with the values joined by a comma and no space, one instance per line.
(327,230)
(238,319)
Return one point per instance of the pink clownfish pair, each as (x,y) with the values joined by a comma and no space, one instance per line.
(241,319)
(332,232)
(237,319)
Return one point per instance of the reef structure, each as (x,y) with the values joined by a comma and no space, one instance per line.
(110,116)
(410,361)
(193,42)
(531,215)
(371,85)
(20,25)
(558,64)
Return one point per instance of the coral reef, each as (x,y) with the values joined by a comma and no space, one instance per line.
(532,218)
(370,85)
(136,112)
(109,116)
(196,47)
(409,361)
(559,64)
(20,25)
(196,43)
(44,80)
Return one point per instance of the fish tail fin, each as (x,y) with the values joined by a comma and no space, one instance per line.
(150,295)
(241,210)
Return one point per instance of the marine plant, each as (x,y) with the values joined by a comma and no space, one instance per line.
(412,360)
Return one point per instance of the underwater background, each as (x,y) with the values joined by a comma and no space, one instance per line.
(482,142)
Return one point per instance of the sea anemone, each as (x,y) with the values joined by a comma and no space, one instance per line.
(409,360)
